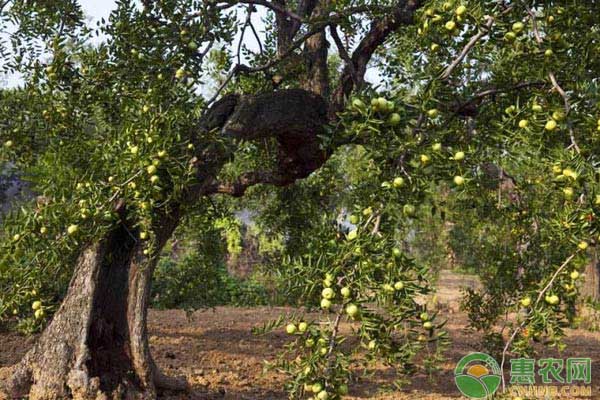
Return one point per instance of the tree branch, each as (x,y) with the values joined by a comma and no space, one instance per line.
(344,54)
(378,33)
(273,6)
(482,32)
(537,301)
(555,84)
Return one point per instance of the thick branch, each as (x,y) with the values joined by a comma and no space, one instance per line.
(378,33)
(293,119)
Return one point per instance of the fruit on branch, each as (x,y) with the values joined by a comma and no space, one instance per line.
(394,119)
(328,293)
(409,210)
(459,180)
(323,395)
(518,27)
(550,125)
(352,310)
(353,234)
(398,182)
(290,329)
(345,292)
(302,326)
(552,299)
(72,229)
(558,115)
(574,275)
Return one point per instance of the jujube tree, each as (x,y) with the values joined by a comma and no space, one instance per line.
(495,101)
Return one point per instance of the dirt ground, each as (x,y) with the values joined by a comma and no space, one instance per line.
(222,359)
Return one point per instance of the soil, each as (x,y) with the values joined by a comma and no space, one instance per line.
(223,359)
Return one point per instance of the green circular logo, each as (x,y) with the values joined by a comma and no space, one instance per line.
(477,375)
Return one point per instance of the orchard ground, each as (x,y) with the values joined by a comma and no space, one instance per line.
(222,359)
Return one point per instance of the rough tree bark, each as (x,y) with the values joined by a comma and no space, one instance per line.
(591,284)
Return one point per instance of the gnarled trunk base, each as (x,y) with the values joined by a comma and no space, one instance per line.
(96,346)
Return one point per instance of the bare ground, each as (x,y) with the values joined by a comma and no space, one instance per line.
(222,359)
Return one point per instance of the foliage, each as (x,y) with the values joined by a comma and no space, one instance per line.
(191,284)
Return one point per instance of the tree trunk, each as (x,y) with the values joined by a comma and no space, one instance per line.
(591,285)
(96,346)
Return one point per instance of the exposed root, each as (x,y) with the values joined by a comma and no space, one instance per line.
(15,382)
(173,383)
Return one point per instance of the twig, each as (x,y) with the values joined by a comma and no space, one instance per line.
(555,84)
(344,54)
(223,84)
(242,33)
(537,301)
(242,68)
(268,4)
(260,46)
(567,106)
(482,32)
(375,230)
